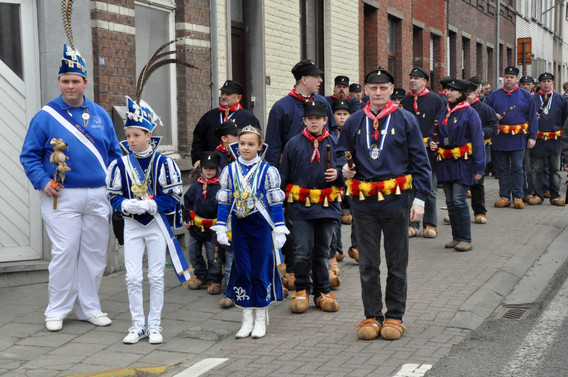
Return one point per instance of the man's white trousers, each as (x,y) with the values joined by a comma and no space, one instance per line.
(79,233)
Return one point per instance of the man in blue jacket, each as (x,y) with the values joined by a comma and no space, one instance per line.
(78,224)
(389,158)
(552,113)
(516,111)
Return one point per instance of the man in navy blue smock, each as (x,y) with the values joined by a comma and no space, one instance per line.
(285,122)
(518,126)
(341,93)
(489,125)
(389,158)
(424,105)
(204,138)
(552,113)
(285,118)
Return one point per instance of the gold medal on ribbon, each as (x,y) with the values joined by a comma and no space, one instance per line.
(140,190)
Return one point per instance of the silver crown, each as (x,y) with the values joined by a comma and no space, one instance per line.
(250,129)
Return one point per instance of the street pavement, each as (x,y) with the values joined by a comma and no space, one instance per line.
(449,294)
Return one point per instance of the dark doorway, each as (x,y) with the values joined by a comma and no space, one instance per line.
(239,47)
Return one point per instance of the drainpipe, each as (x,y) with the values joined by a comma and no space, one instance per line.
(498,45)
(214,53)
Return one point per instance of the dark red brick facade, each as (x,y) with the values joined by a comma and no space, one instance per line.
(415,22)
(117,77)
(473,29)
(429,30)
(194,85)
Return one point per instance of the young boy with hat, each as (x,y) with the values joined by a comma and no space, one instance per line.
(313,187)
(226,132)
(285,122)
(144,187)
(200,205)
(341,114)
(397,95)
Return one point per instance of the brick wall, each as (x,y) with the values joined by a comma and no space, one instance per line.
(113,32)
(482,31)
(373,37)
(430,18)
(193,85)
(114,42)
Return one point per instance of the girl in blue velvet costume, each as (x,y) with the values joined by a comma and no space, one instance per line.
(250,203)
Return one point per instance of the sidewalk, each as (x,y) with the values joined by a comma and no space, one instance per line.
(449,294)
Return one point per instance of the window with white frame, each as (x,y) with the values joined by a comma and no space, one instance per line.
(155,25)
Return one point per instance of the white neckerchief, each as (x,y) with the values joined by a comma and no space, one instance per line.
(244,182)
(249,162)
(145,153)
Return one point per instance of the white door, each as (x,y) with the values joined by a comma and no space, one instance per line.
(20,218)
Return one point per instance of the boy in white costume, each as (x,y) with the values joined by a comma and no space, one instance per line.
(144,186)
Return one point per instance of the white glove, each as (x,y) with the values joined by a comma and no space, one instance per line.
(279,240)
(148,206)
(221,232)
(130,206)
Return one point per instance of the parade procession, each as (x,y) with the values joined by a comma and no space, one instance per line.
(355,197)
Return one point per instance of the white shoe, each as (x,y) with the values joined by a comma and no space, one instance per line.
(155,334)
(135,333)
(54,324)
(260,322)
(248,322)
(100,320)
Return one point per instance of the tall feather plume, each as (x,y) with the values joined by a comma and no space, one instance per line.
(156,62)
(66,12)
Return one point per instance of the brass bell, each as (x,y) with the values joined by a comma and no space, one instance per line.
(397,192)
(325,202)
(202,228)
(465,156)
(380,196)
(338,198)
(290,198)
(361,196)
(308,204)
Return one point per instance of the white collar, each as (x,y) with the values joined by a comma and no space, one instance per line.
(148,152)
(250,162)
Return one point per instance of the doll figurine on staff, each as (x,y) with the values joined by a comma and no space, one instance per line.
(59,158)
(250,202)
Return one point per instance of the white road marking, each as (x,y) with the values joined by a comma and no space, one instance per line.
(526,361)
(413,370)
(201,367)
